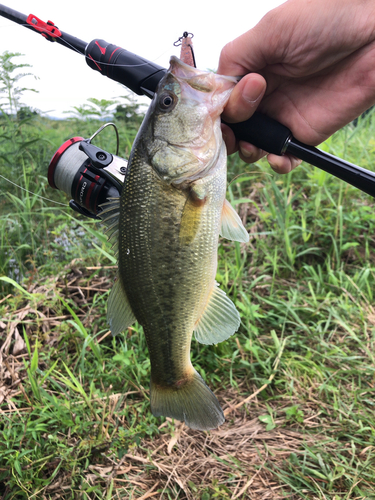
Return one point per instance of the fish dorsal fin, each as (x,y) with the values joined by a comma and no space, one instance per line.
(110,215)
(231,224)
(119,313)
(220,318)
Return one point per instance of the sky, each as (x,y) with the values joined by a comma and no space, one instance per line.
(146,28)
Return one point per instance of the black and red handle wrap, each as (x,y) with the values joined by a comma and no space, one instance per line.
(138,74)
(142,77)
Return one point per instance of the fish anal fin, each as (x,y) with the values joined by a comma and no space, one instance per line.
(191,215)
(119,312)
(219,320)
(231,224)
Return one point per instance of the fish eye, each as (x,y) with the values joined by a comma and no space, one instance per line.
(167,102)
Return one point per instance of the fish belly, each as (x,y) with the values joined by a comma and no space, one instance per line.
(167,282)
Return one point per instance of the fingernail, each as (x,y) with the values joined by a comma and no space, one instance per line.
(246,153)
(253,92)
(274,167)
(296,162)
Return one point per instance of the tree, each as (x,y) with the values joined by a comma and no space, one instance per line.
(10,92)
(131,112)
(25,113)
(101,109)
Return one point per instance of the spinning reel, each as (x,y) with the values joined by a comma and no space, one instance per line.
(87,173)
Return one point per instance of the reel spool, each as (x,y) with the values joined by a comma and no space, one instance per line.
(87,173)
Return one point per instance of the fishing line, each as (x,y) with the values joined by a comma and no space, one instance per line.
(35,194)
(250,174)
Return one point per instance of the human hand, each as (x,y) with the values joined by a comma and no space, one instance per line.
(318,61)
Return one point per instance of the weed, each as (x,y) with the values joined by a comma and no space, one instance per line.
(296,381)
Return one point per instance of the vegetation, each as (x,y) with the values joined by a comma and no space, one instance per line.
(297,381)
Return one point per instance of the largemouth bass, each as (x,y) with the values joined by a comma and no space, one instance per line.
(166,226)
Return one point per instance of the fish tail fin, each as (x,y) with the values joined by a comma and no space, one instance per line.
(193,403)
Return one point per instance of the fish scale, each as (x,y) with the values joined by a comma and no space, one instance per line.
(171,211)
(159,276)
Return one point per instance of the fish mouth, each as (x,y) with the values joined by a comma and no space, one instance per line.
(187,141)
(192,79)
(182,70)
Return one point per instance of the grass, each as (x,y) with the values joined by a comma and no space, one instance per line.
(296,382)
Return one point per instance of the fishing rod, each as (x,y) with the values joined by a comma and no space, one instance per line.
(142,77)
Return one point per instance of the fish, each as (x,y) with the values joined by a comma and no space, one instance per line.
(165,230)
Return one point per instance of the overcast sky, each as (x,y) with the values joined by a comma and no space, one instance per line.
(147,28)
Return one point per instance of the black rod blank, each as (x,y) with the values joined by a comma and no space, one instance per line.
(142,76)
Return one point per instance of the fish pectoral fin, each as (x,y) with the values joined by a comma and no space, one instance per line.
(231,224)
(191,214)
(219,320)
(119,313)
(110,215)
